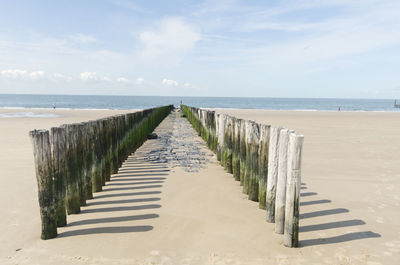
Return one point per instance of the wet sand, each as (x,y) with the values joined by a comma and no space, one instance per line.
(167,208)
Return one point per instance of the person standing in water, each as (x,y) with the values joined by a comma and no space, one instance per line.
(54,106)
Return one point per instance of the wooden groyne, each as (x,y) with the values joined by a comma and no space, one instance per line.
(74,160)
(266,160)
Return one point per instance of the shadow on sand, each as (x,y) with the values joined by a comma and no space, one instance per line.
(331,225)
(134,175)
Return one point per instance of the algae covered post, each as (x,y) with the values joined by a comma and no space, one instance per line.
(262,158)
(263,164)
(58,145)
(44,176)
(78,159)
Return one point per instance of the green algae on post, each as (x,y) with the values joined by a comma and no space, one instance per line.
(58,144)
(78,159)
(44,176)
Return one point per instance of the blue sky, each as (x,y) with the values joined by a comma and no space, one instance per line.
(287,48)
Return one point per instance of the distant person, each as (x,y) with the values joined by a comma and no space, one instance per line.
(338,109)
(54,106)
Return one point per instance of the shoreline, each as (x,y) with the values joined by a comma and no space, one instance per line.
(208,108)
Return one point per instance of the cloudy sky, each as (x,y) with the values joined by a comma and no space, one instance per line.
(286,48)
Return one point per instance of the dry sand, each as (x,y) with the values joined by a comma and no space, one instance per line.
(154,213)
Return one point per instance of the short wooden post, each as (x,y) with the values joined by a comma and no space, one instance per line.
(58,146)
(44,176)
(292,208)
(281,181)
(272,174)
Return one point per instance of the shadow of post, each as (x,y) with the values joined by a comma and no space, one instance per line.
(331,225)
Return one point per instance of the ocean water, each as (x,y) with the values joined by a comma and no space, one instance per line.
(140,102)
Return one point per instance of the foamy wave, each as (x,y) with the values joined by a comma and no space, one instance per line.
(28,115)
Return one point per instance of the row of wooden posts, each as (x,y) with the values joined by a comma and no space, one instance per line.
(74,160)
(266,160)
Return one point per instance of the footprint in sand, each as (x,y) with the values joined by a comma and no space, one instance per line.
(380,220)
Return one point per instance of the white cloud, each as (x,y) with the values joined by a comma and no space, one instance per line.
(186,84)
(86,76)
(139,81)
(37,74)
(14,73)
(122,80)
(82,38)
(168,82)
(169,42)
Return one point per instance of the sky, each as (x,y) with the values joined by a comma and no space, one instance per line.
(286,48)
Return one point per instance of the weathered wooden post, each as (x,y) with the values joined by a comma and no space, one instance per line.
(88,159)
(236,150)
(281,181)
(227,145)
(80,153)
(44,176)
(292,208)
(96,174)
(252,160)
(72,198)
(221,134)
(273,157)
(263,164)
(58,155)
(242,145)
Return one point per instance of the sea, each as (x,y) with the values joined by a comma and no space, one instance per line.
(10,101)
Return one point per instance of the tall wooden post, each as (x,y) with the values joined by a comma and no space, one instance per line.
(72,198)
(272,174)
(292,208)
(58,146)
(44,176)
(263,164)
(252,160)
(236,150)
(281,181)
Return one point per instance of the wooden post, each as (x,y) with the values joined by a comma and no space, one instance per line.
(96,177)
(227,145)
(272,174)
(263,164)
(72,198)
(281,181)
(58,155)
(292,208)
(88,160)
(80,153)
(236,150)
(252,160)
(44,176)
(242,151)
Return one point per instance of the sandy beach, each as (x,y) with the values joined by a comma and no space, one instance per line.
(177,213)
